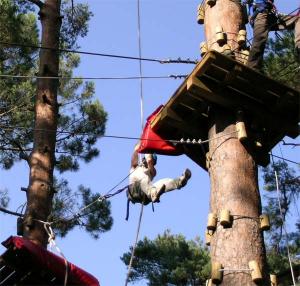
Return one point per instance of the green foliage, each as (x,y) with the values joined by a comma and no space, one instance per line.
(280,60)
(288,184)
(277,262)
(75,23)
(169,259)
(16,96)
(81,120)
(95,219)
(289,193)
(4,199)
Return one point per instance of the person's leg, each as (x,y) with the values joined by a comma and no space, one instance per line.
(260,37)
(147,187)
(168,185)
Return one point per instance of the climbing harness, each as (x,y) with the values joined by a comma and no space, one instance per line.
(262,6)
(136,195)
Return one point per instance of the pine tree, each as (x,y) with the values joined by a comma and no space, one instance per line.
(169,259)
(80,118)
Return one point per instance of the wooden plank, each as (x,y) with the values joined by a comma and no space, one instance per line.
(166,112)
(235,101)
(268,88)
(272,107)
(204,64)
(196,154)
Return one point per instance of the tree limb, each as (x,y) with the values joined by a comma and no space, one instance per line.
(10,212)
(37,2)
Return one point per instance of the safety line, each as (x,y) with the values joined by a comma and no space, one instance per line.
(140,64)
(135,244)
(175,142)
(142,127)
(282,158)
(173,76)
(163,61)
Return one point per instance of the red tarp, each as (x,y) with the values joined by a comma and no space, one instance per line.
(151,142)
(44,259)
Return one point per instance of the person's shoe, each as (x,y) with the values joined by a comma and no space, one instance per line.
(156,197)
(185,177)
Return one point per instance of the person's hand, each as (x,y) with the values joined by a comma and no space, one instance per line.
(251,21)
(137,146)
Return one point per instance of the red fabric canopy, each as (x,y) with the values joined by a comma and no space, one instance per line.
(44,259)
(151,142)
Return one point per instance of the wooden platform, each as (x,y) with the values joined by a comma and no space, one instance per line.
(271,109)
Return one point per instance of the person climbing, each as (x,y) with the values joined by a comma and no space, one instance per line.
(264,19)
(141,189)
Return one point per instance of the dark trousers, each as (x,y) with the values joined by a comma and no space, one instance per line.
(263,23)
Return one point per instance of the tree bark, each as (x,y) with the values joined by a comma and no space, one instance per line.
(42,158)
(233,172)
(234,187)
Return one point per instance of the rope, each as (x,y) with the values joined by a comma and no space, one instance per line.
(142,126)
(135,244)
(140,64)
(52,243)
(173,76)
(163,61)
(284,159)
(99,199)
(181,141)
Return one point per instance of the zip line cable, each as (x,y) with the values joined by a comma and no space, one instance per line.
(284,159)
(162,61)
(180,76)
(175,142)
(107,195)
(181,141)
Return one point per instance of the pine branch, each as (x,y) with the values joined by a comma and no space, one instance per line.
(10,212)
(39,3)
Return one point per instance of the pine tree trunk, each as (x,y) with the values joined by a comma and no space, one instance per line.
(42,158)
(233,172)
(234,187)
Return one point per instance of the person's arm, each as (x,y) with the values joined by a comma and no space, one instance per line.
(135,156)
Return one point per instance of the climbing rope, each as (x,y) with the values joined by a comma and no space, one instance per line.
(53,245)
(142,127)
(134,246)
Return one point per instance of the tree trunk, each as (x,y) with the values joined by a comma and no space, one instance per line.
(42,158)
(234,187)
(233,172)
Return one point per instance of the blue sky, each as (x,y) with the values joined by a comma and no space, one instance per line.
(168,30)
